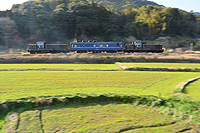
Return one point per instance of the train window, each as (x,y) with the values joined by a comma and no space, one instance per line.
(83,44)
(106,45)
(101,45)
(78,45)
(75,45)
(72,45)
(118,44)
(94,45)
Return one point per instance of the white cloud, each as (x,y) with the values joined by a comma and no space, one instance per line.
(7,4)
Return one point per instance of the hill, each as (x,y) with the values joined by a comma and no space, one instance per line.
(122,4)
(196,13)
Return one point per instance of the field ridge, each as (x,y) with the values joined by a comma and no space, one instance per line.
(123,67)
(141,126)
(180,87)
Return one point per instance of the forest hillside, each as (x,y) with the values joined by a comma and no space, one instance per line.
(63,21)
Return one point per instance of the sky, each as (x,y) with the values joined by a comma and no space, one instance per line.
(186,5)
(7,4)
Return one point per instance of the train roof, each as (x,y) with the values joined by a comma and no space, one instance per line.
(95,42)
(145,44)
(152,44)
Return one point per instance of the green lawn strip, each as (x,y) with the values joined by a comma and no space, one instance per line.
(164,65)
(19,84)
(30,122)
(57,66)
(100,118)
(177,127)
(193,89)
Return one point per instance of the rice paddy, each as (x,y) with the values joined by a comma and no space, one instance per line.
(193,89)
(19,84)
(95,117)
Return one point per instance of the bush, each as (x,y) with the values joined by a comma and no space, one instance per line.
(187,69)
(169,104)
(188,108)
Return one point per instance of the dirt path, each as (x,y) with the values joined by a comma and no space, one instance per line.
(121,65)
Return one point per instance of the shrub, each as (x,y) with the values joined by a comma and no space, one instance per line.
(188,108)
(187,69)
(177,90)
(169,104)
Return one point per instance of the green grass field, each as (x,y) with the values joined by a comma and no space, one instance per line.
(94,117)
(18,84)
(66,66)
(164,65)
(91,118)
(193,89)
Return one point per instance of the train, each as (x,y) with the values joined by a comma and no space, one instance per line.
(94,47)
(43,47)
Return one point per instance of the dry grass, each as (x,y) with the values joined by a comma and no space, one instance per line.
(195,56)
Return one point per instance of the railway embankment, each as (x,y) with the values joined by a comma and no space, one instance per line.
(100,58)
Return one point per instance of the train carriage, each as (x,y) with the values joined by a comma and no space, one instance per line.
(96,47)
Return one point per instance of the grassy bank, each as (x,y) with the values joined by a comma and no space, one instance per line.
(164,65)
(193,89)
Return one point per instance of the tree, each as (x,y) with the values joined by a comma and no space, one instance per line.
(7,29)
(32,17)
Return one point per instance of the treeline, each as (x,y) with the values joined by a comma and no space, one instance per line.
(150,22)
(115,5)
(64,20)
